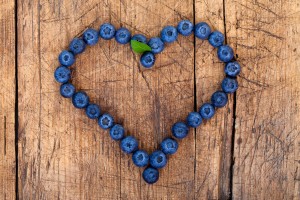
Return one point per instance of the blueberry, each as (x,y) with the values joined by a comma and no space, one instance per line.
(225,53)
(117,132)
(77,46)
(92,111)
(194,119)
(202,30)
(139,38)
(80,99)
(123,36)
(232,69)
(229,85)
(180,130)
(147,59)
(140,158)
(67,90)
(207,111)
(169,34)
(185,27)
(150,175)
(90,36)
(66,58)
(106,121)
(216,39)
(169,146)
(219,99)
(158,159)
(107,31)
(129,144)
(62,74)
(156,45)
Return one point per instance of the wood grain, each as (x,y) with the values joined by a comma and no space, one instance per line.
(249,150)
(65,155)
(265,35)
(161,97)
(29,77)
(213,138)
(7,100)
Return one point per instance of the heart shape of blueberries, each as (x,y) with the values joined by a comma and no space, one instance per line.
(129,144)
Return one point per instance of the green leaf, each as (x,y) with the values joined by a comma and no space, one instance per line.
(139,47)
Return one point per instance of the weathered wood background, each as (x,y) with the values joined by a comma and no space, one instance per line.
(249,150)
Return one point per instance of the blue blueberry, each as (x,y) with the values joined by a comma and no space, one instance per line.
(92,111)
(147,59)
(107,31)
(62,74)
(80,99)
(77,46)
(169,34)
(90,36)
(139,38)
(219,99)
(207,111)
(185,27)
(106,121)
(150,175)
(180,130)
(216,39)
(156,45)
(66,58)
(123,36)
(229,85)
(202,30)
(67,90)
(169,146)
(129,144)
(158,159)
(232,69)
(117,132)
(140,158)
(225,53)
(194,119)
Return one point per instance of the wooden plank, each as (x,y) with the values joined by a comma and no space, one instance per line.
(7,100)
(29,144)
(266,145)
(63,155)
(158,98)
(213,138)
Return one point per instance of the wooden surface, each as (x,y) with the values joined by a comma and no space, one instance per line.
(7,100)
(249,150)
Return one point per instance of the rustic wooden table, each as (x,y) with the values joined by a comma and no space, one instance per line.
(249,150)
